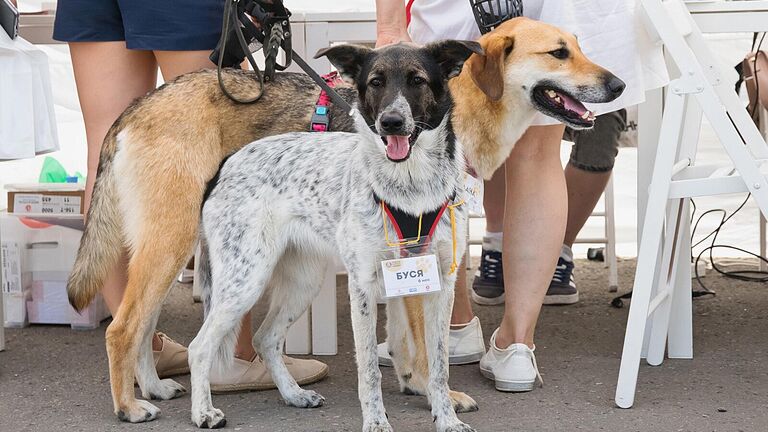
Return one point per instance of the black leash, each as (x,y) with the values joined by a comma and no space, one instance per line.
(337,99)
(273,33)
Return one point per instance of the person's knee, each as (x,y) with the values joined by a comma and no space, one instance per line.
(595,150)
(538,144)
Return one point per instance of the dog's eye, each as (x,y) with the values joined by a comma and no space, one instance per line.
(417,81)
(376,82)
(560,54)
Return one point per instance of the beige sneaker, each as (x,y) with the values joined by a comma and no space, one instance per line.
(171,359)
(244,375)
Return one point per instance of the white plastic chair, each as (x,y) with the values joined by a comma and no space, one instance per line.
(661,307)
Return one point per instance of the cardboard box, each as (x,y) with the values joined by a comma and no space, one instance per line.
(36,257)
(46,198)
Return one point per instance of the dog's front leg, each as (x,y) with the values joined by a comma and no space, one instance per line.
(362,300)
(437,314)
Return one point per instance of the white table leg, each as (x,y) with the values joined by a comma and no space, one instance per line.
(324,326)
(197,290)
(297,340)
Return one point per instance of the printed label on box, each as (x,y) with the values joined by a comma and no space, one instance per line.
(46,204)
(11,267)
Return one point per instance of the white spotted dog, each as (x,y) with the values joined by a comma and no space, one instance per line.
(281,205)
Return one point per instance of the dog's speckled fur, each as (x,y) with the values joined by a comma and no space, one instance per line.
(160,154)
(282,204)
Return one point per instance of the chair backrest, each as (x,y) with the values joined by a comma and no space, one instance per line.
(685,45)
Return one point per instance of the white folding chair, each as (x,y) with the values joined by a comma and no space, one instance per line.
(661,307)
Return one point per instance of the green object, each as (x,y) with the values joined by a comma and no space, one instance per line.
(54,172)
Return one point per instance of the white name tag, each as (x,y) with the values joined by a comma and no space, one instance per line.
(473,193)
(411,276)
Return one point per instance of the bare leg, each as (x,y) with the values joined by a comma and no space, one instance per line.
(493,203)
(109,77)
(172,64)
(533,229)
(175,63)
(462,306)
(584,190)
(494,191)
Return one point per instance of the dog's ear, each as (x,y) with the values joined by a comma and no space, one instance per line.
(451,54)
(348,59)
(488,71)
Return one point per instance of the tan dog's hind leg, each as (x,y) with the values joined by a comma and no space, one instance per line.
(412,367)
(150,274)
(160,185)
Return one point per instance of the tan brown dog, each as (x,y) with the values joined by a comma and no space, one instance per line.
(160,154)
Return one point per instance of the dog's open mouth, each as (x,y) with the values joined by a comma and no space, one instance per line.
(559,104)
(398,147)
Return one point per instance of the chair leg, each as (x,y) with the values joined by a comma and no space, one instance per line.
(649,246)
(610,235)
(298,339)
(680,325)
(197,290)
(324,326)
(665,284)
(680,338)
(763,265)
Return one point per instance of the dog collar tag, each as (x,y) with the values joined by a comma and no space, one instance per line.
(473,193)
(414,275)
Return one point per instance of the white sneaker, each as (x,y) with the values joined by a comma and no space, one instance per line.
(465,345)
(513,369)
(186,276)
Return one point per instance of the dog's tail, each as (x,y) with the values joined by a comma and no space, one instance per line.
(225,354)
(102,242)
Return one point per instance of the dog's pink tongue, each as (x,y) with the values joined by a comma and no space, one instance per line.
(397,147)
(572,104)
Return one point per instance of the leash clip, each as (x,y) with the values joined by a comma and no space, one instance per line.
(320,120)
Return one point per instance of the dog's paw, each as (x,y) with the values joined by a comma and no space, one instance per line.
(457,427)
(211,418)
(305,399)
(381,425)
(165,389)
(461,402)
(138,412)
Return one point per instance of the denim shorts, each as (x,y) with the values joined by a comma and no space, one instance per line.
(163,25)
(596,149)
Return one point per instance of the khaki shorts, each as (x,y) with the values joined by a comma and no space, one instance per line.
(595,149)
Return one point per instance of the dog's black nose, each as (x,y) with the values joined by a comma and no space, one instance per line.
(615,85)
(392,122)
